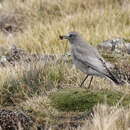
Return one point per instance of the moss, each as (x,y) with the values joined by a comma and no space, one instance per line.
(82,100)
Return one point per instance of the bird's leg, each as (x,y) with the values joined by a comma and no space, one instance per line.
(84,80)
(90,82)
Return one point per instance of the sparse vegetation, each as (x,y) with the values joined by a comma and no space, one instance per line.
(50,92)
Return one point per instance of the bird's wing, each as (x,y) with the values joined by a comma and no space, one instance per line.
(91,59)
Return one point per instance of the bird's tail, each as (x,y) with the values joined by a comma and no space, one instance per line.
(115,80)
(111,76)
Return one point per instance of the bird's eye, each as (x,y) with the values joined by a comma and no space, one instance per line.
(70,35)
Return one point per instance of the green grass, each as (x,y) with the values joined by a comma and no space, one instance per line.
(85,100)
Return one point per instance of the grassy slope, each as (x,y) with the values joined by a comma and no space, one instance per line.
(43,21)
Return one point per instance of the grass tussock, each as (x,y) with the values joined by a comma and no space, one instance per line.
(106,118)
(38,107)
(26,80)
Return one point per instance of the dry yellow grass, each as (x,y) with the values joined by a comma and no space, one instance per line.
(95,20)
(106,118)
(42,21)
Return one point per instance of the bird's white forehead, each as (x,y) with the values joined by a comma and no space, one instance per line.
(68,35)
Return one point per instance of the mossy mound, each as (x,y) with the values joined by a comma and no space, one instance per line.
(82,100)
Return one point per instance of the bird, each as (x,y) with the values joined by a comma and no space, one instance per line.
(88,60)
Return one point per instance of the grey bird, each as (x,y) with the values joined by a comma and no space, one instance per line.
(88,60)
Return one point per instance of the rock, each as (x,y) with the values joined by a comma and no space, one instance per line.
(117,44)
(120,58)
(14,120)
(122,71)
(16,55)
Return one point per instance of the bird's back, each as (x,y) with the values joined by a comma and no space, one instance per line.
(87,59)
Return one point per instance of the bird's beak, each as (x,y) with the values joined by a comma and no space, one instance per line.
(64,37)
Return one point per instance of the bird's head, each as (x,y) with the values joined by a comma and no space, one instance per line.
(71,36)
